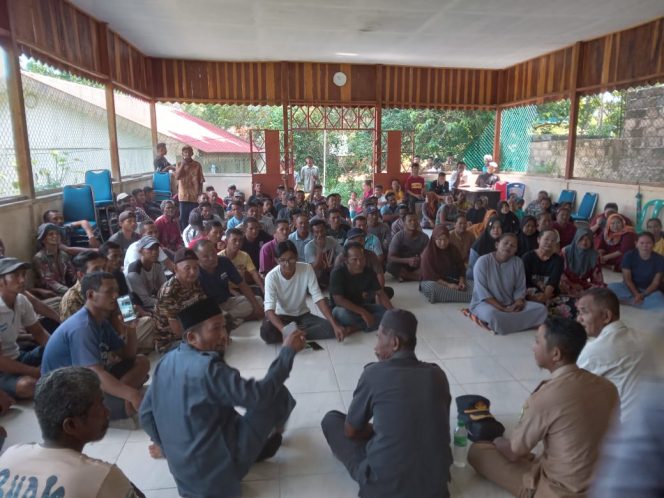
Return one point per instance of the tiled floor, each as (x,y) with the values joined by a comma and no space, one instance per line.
(501,368)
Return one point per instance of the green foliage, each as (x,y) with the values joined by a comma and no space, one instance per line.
(49,178)
(601,115)
(37,67)
(440,132)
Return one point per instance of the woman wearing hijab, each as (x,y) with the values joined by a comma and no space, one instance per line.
(508,219)
(527,235)
(582,266)
(479,228)
(617,239)
(442,270)
(429,210)
(485,244)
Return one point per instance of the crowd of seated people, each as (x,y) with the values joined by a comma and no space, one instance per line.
(192,283)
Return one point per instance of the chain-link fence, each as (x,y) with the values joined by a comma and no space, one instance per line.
(533,138)
(134,134)
(434,134)
(67,126)
(8,174)
(620,136)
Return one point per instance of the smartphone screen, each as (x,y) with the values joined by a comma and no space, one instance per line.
(126,309)
(314,346)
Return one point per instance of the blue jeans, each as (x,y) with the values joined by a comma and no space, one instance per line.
(348,318)
(654,301)
(31,358)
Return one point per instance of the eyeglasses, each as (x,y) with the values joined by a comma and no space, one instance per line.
(289,261)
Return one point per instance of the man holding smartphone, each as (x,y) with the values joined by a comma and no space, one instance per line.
(87,339)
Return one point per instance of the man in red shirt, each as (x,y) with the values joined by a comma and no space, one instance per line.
(414,186)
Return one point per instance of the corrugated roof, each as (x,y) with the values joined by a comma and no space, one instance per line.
(172,122)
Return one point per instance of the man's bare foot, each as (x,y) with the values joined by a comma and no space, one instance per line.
(155,451)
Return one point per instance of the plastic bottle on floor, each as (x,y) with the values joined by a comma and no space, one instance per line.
(460,451)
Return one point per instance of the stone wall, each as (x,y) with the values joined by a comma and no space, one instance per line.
(637,156)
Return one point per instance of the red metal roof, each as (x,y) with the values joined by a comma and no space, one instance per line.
(172,122)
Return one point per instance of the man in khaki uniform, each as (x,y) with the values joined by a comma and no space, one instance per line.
(569,414)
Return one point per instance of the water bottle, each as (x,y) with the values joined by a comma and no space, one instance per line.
(460,452)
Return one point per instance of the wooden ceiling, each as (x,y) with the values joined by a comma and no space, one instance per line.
(58,33)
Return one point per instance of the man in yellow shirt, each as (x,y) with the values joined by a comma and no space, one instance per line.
(654,226)
(241,260)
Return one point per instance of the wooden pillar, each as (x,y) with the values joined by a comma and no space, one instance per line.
(378,136)
(284,111)
(573,110)
(19,122)
(153,126)
(496,134)
(112,133)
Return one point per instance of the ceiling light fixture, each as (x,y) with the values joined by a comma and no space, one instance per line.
(347,54)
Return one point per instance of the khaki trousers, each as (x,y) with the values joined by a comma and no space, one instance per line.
(239,307)
(492,465)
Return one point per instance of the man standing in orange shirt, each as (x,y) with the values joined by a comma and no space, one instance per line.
(189,175)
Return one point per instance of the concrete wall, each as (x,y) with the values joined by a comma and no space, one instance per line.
(637,153)
(622,194)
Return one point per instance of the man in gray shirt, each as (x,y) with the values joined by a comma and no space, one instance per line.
(321,252)
(145,276)
(406,451)
(403,258)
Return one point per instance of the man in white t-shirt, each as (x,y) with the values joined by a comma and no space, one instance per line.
(71,413)
(614,350)
(309,174)
(19,370)
(286,288)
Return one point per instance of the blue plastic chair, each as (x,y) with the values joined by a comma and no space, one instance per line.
(161,183)
(567,196)
(102,192)
(102,186)
(586,208)
(516,188)
(657,206)
(78,204)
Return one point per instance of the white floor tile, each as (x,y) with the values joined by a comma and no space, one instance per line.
(305,452)
(502,368)
(456,347)
(161,493)
(144,471)
(348,374)
(523,367)
(338,485)
(260,489)
(470,370)
(312,378)
(505,397)
(312,407)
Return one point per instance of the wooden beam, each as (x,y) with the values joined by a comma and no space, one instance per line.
(496,134)
(26,182)
(284,110)
(153,126)
(112,133)
(573,111)
(378,128)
